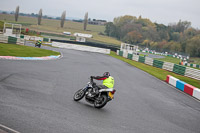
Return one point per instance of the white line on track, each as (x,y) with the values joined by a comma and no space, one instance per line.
(7,129)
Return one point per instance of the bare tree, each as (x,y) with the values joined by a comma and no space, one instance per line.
(62,19)
(85,21)
(40,17)
(16,13)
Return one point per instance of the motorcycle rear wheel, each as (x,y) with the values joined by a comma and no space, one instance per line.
(79,95)
(101,101)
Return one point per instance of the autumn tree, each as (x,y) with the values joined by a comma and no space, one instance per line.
(40,17)
(128,27)
(62,19)
(133,37)
(193,46)
(16,13)
(85,21)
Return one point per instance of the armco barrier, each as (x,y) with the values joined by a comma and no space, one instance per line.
(187,88)
(178,69)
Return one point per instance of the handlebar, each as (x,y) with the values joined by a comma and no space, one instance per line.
(92,82)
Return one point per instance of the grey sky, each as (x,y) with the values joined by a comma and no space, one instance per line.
(160,11)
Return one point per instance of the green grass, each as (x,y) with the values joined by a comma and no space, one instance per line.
(195,60)
(169,59)
(53,26)
(143,55)
(157,72)
(24,51)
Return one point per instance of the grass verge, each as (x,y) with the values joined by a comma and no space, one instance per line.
(24,51)
(157,72)
(169,59)
(195,60)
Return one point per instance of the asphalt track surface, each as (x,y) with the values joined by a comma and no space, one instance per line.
(37,97)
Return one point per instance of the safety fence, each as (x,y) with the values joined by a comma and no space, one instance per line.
(11,40)
(187,88)
(178,69)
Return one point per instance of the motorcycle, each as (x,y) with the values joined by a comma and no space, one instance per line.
(37,44)
(99,100)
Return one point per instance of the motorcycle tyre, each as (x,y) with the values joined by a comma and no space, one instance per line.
(77,99)
(104,102)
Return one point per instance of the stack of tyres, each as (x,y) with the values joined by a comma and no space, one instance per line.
(141,59)
(130,56)
(157,63)
(178,69)
(120,53)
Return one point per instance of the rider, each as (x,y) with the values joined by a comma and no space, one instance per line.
(38,43)
(108,82)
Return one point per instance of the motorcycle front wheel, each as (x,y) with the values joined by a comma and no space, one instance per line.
(101,101)
(79,95)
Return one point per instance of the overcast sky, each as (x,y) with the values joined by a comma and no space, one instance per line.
(160,11)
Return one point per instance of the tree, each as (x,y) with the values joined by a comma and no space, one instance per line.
(175,46)
(145,22)
(111,30)
(150,33)
(162,31)
(120,21)
(133,37)
(180,26)
(128,27)
(85,21)
(40,17)
(16,13)
(193,46)
(146,43)
(62,19)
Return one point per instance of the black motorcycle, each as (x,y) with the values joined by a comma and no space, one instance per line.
(99,100)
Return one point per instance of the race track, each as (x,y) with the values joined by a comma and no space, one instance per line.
(37,97)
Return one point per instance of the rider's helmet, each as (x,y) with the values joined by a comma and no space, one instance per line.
(106,74)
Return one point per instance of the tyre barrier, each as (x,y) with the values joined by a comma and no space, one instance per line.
(187,88)
(191,65)
(11,40)
(178,69)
